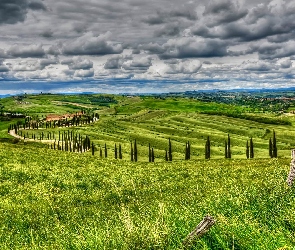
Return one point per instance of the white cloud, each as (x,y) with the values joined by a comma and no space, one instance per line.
(84,73)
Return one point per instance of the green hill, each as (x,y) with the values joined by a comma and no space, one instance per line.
(60,200)
(53,199)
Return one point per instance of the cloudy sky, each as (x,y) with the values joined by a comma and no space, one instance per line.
(119,46)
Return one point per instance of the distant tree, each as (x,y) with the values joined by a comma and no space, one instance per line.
(153,155)
(120,152)
(105,151)
(208,148)
(92,148)
(166,155)
(150,153)
(100,152)
(228,147)
(170,151)
(187,151)
(116,152)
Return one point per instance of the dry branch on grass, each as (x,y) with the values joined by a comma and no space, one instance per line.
(200,230)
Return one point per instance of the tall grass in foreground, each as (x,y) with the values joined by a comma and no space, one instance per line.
(61,200)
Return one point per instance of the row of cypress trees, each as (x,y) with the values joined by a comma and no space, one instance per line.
(77,143)
(66,136)
(77,120)
(118,151)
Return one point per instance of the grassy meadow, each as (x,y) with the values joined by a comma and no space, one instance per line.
(60,200)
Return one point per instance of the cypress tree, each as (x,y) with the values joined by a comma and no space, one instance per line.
(153,155)
(187,151)
(92,148)
(100,152)
(120,152)
(105,151)
(274,145)
(247,150)
(116,152)
(166,155)
(228,147)
(270,150)
(207,148)
(170,151)
(89,143)
(150,153)
(251,148)
(135,151)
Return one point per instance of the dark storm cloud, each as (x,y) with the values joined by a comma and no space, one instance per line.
(33,64)
(286,64)
(152,48)
(3,68)
(36,5)
(48,61)
(268,51)
(89,44)
(26,51)
(170,29)
(167,16)
(114,62)
(229,21)
(13,11)
(191,47)
(182,66)
(2,54)
(78,63)
(47,33)
(259,66)
(141,64)
(225,11)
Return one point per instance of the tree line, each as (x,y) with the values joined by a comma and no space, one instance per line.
(249,150)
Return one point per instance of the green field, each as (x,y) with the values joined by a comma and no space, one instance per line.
(60,200)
